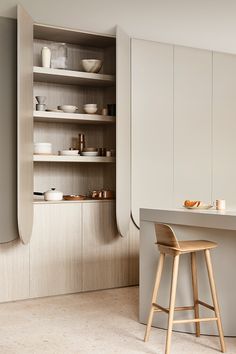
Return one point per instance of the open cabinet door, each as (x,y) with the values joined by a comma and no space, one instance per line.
(123,132)
(24,124)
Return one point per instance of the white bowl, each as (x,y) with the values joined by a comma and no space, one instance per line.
(43,148)
(68,108)
(89,153)
(69,152)
(90,108)
(92,65)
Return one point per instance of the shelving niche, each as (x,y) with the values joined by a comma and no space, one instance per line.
(76,87)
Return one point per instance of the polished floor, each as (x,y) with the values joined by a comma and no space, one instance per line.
(102,322)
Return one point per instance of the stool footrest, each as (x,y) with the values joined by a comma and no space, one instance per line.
(159,308)
(206,305)
(197,320)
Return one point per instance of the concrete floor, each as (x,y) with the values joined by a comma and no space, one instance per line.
(103,322)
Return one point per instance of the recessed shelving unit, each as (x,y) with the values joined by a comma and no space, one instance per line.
(47,117)
(73,86)
(81,159)
(71,77)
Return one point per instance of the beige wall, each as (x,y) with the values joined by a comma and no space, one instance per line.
(206,24)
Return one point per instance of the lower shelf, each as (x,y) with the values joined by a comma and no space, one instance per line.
(57,158)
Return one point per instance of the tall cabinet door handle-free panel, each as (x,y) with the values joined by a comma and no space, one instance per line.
(24,124)
(123,195)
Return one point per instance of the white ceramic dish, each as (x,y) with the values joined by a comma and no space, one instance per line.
(92,65)
(53,195)
(69,152)
(204,206)
(90,108)
(43,148)
(89,153)
(68,108)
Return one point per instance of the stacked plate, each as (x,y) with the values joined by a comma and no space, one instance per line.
(90,152)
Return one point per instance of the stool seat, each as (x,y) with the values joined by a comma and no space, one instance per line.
(194,246)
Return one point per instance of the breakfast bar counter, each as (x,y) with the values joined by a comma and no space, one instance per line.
(212,225)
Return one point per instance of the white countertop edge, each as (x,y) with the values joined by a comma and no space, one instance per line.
(211,218)
(39,202)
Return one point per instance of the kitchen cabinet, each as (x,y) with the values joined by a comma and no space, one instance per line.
(106,255)
(152,125)
(56,250)
(81,252)
(224,127)
(192,124)
(72,86)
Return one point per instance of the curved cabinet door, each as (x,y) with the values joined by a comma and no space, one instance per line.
(122,131)
(8,130)
(25,124)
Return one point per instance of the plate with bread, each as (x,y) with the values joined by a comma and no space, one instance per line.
(196,204)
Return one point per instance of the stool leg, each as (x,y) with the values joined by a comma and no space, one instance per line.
(172,302)
(215,299)
(154,295)
(195,291)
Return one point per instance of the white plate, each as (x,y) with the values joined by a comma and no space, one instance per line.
(69,152)
(89,153)
(204,206)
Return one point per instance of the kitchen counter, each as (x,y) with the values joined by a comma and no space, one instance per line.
(212,225)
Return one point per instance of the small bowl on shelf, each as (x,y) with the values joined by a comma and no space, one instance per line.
(67,108)
(92,65)
(90,108)
(42,148)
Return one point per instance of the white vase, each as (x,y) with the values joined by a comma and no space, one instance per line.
(46,57)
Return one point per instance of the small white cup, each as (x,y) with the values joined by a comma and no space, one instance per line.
(108,153)
(220,204)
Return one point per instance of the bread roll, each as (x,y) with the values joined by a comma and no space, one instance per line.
(192,203)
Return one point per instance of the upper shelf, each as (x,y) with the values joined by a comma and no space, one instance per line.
(71,77)
(67,35)
(55,117)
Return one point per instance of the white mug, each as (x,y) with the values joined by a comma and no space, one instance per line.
(220,204)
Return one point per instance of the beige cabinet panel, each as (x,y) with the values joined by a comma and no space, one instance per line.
(24,124)
(152,126)
(224,128)
(105,253)
(56,250)
(192,124)
(14,275)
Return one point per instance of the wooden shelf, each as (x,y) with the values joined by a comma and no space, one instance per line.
(68,35)
(41,201)
(71,77)
(57,158)
(55,117)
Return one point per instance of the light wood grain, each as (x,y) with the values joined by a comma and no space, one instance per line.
(154,295)
(215,299)
(24,124)
(14,275)
(70,77)
(106,255)
(123,168)
(81,159)
(195,290)
(56,250)
(53,117)
(75,36)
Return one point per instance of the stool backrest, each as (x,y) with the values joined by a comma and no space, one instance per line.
(165,236)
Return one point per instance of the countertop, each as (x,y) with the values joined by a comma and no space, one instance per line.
(211,218)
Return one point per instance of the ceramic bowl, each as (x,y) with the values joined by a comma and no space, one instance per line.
(90,108)
(92,65)
(89,153)
(43,148)
(68,108)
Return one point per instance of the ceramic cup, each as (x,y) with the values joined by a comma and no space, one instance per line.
(40,107)
(220,204)
(41,99)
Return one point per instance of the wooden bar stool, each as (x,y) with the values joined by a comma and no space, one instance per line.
(169,245)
